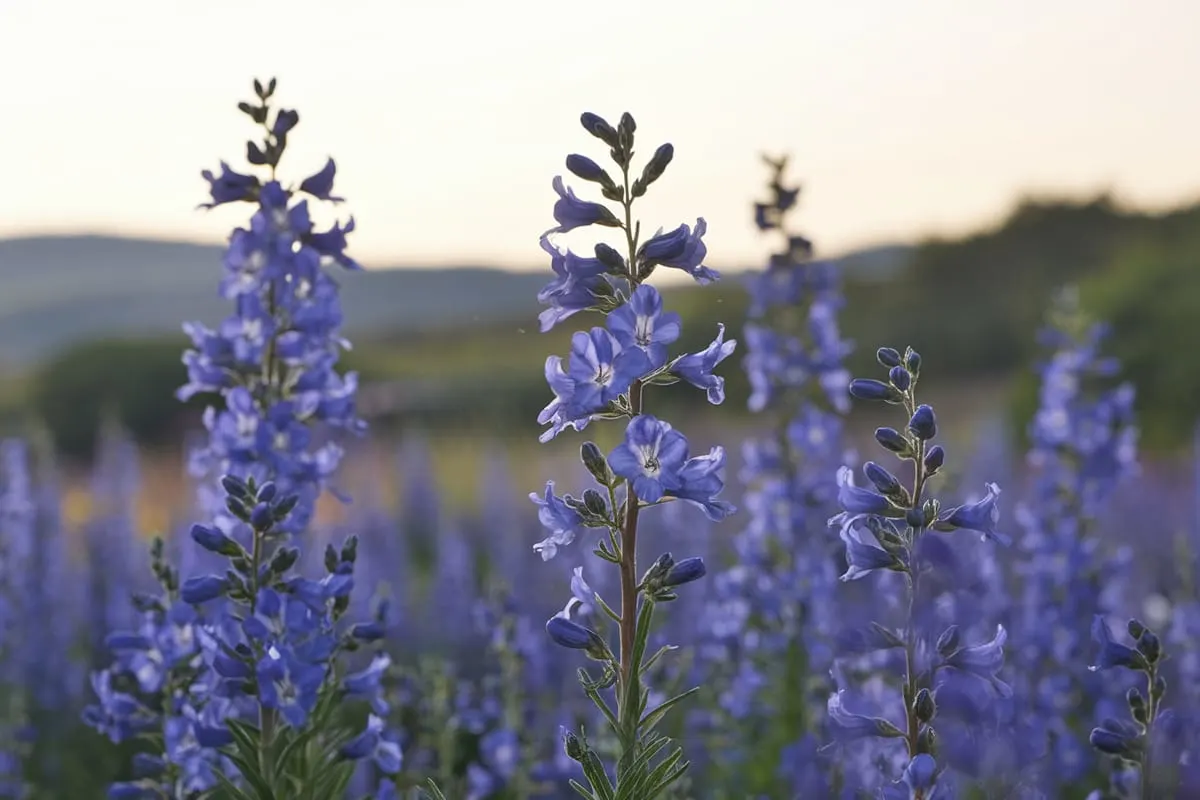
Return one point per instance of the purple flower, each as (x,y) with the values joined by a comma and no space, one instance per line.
(229,186)
(651,457)
(563,522)
(848,727)
(701,479)
(601,370)
(320,184)
(1113,654)
(376,744)
(570,212)
(983,661)
(863,557)
(980,516)
(575,289)
(682,248)
(697,368)
(856,501)
(559,413)
(641,323)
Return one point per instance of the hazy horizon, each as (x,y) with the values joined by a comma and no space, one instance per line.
(449,121)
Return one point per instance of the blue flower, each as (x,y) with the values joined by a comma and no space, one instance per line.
(863,557)
(563,521)
(288,684)
(575,289)
(701,479)
(682,248)
(229,186)
(377,744)
(651,457)
(601,370)
(983,661)
(320,184)
(697,368)
(848,727)
(642,323)
(1112,654)
(202,588)
(570,212)
(856,501)
(559,413)
(367,684)
(1118,738)
(980,516)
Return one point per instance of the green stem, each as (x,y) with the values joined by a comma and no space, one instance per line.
(629,685)
(1145,778)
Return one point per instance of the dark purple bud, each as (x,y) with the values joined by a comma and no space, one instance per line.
(1149,645)
(923,423)
(888,357)
(266,492)
(947,643)
(234,486)
(583,167)
(900,378)
(573,747)
(871,389)
(566,633)
(202,588)
(912,360)
(884,481)
(686,571)
(598,127)
(368,631)
(934,459)
(262,517)
(924,706)
(891,439)
(285,120)
(215,541)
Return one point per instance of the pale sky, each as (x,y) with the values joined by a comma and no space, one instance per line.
(449,119)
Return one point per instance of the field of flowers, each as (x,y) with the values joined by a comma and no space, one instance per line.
(776,614)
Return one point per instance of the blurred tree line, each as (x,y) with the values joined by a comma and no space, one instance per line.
(971,305)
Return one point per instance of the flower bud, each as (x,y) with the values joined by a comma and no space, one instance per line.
(947,643)
(585,168)
(1149,645)
(686,571)
(934,459)
(596,463)
(888,357)
(891,439)
(900,378)
(924,706)
(871,389)
(923,423)
(885,482)
(598,127)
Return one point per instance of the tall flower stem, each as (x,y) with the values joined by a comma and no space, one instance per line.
(630,682)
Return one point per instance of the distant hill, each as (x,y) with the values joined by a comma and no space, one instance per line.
(60,290)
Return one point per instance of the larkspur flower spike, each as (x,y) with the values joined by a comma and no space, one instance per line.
(884,527)
(606,376)
(261,670)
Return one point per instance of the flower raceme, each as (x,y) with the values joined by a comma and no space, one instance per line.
(261,670)
(606,376)
(886,528)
